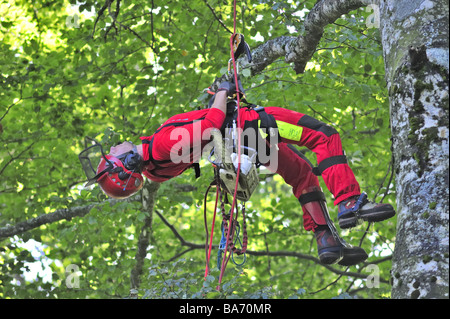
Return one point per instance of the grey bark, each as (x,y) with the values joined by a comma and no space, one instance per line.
(57,215)
(149,194)
(298,50)
(323,13)
(72,212)
(415,46)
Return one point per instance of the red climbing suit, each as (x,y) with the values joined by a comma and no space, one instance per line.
(178,143)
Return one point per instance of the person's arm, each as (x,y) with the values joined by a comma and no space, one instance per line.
(218,109)
(220,101)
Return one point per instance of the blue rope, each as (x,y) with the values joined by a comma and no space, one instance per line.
(238,229)
(222,244)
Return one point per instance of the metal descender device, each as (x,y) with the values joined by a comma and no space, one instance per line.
(224,157)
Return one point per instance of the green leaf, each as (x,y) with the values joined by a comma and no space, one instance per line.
(60,83)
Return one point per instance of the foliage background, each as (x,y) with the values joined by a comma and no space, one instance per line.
(65,74)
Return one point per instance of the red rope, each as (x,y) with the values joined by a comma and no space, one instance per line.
(208,252)
(231,231)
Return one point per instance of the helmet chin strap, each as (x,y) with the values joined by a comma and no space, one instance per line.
(125,187)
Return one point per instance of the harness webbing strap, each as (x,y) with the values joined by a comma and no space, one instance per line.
(311,197)
(196,167)
(328,162)
(268,122)
(160,164)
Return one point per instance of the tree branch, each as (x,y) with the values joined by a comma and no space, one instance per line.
(323,13)
(299,50)
(216,17)
(177,234)
(13,158)
(57,215)
(280,253)
(148,203)
(100,13)
(136,34)
(114,16)
(69,213)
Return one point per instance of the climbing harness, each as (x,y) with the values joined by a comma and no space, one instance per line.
(236,178)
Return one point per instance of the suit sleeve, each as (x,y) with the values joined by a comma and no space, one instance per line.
(214,118)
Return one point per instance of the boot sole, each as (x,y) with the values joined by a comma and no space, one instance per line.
(353,221)
(329,258)
(353,256)
(349,257)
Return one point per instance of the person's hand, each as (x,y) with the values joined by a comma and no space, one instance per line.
(227,86)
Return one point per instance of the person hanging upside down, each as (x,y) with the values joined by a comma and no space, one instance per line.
(177,145)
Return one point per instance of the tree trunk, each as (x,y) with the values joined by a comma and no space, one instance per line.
(149,194)
(415,47)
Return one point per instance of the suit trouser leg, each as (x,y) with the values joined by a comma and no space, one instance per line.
(296,171)
(324,141)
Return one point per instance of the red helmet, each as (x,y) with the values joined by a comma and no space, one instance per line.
(118,176)
(117,181)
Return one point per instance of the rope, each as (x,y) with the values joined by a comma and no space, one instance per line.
(225,258)
(208,249)
(227,231)
(234,250)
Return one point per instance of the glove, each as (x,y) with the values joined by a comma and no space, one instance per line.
(227,86)
(230,87)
